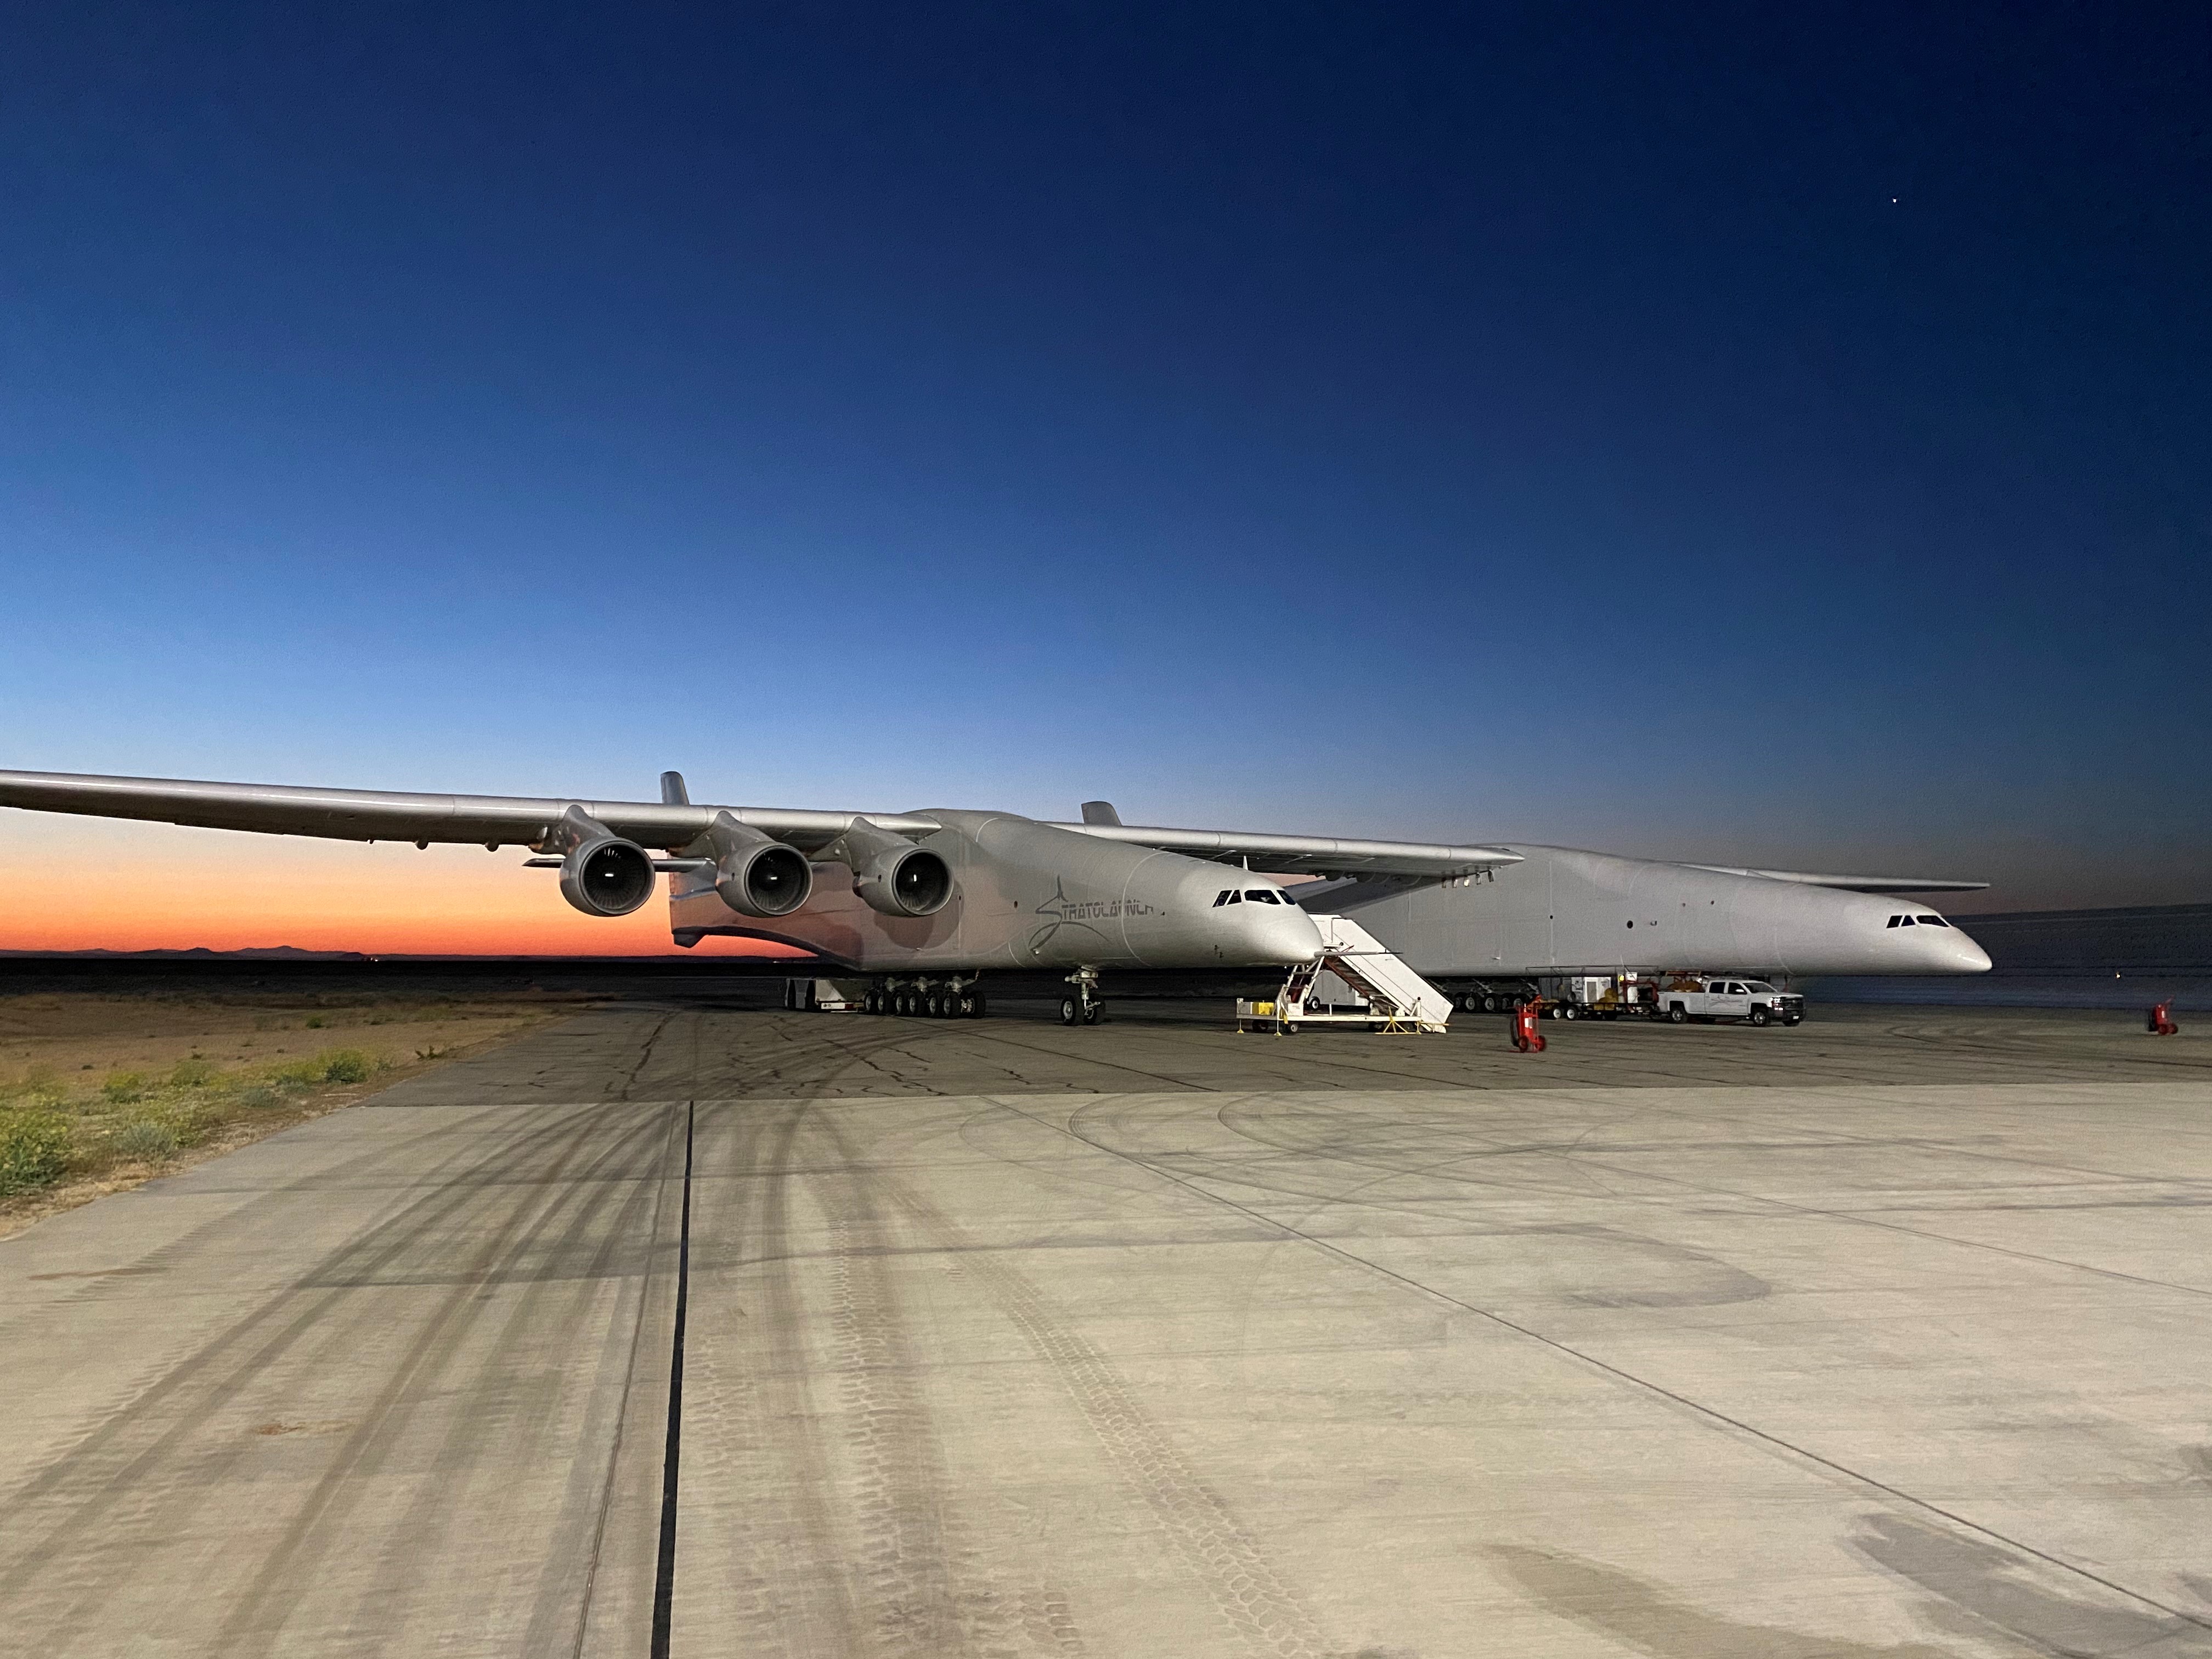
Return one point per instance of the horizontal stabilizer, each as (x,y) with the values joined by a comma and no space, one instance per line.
(1854,883)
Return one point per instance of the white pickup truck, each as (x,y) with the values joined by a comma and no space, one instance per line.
(1753,1000)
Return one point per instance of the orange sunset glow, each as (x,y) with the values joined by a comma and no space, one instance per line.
(87,884)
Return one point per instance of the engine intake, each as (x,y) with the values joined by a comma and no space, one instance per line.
(891,874)
(914,883)
(756,876)
(607,877)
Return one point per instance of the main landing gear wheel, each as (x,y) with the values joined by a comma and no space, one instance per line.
(1094,1013)
(1071,1011)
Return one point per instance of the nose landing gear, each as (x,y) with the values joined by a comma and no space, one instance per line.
(1084,1007)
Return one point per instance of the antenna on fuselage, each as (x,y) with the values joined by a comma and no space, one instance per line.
(1101,811)
(672,791)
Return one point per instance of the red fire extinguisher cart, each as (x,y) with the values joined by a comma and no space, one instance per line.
(1526,1037)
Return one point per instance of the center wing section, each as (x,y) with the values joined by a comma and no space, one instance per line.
(389,815)
(1306,855)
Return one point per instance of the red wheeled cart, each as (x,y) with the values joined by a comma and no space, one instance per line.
(1526,1037)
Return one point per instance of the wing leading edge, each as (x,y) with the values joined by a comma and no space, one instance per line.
(1298,855)
(1854,883)
(390,815)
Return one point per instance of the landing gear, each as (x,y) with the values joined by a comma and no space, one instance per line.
(1084,1008)
(953,997)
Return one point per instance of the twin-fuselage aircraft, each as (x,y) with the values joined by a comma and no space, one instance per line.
(936,898)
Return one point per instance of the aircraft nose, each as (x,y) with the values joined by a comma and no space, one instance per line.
(1274,933)
(1962,955)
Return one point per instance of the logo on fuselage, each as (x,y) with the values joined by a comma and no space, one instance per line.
(1060,911)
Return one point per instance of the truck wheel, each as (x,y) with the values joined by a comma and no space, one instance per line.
(1759,1017)
(1290,1028)
(1571,1013)
(1679,1015)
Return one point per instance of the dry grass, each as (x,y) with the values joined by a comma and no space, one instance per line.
(99,1094)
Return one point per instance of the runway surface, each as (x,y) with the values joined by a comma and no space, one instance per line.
(1886,1336)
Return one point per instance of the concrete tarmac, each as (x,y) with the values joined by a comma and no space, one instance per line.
(1884,1336)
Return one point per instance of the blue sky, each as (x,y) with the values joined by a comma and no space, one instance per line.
(1761,437)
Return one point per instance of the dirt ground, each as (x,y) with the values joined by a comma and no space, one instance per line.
(149,1083)
(76,1036)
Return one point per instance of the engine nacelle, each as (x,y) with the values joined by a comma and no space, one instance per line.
(754,875)
(891,874)
(607,876)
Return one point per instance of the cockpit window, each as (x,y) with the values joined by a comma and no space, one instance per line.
(1236,898)
(1261,896)
(1931,922)
(1222,898)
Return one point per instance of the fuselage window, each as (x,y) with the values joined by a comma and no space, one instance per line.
(1261,895)
(1931,922)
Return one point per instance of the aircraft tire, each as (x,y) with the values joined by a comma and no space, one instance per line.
(1070,1012)
(1094,1013)
(972,1007)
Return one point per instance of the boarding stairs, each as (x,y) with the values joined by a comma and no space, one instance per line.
(1396,998)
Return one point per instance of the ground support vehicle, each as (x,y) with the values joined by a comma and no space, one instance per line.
(1710,999)
(1357,982)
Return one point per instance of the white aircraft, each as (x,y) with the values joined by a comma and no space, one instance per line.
(930,900)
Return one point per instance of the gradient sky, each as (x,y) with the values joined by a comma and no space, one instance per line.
(1772,436)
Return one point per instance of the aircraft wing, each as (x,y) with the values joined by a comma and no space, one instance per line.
(1300,855)
(387,815)
(1855,883)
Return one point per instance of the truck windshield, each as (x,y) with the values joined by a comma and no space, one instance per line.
(1759,988)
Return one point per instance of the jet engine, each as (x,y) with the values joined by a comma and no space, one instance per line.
(754,875)
(891,874)
(607,876)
